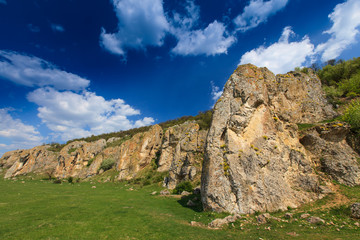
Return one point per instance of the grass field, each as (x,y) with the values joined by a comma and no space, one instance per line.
(35,209)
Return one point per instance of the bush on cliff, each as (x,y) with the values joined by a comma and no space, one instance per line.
(107,164)
(352,115)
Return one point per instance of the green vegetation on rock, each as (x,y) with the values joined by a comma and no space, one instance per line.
(183,186)
(107,164)
(341,79)
(352,115)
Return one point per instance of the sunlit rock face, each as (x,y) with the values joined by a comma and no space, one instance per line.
(253,158)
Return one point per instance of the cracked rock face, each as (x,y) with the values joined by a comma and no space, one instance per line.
(253,158)
(182,153)
(327,145)
(36,160)
(135,154)
(74,157)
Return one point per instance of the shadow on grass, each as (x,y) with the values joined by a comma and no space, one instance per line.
(194,198)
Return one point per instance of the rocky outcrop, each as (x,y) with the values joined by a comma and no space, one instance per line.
(182,153)
(9,158)
(136,153)
(253,158)
(74,157)
(297,97)
(327,146)
(37,160)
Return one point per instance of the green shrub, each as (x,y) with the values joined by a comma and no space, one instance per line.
(55,147)
(351,87)
(107,164)
(183,186)
(70,179)
(57,181)
(332,92)
(71,150)
(352,115)
(90,162)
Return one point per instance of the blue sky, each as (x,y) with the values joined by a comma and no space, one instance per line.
(73,68)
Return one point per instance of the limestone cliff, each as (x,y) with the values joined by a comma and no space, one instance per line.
(253,158)
(136,153)
(75,156)
(182,153)
(36,160)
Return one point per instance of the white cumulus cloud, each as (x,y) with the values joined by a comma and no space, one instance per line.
(258,12)
(209,41)
(35,72)
(281,56)
(212,40)
(345,28)
(16,133)
(141,23)
(73,115)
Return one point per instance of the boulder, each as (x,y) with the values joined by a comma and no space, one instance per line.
(196,224)
(304,215)
(355,210)
(165,192)
(220,222)
(315,220)
(253,158)
(263,218)
(288,215)
(185,193)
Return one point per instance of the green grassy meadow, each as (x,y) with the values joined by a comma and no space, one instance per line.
(40,209)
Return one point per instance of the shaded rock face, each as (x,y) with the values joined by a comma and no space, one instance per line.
(136,153)
(328,147)
(182,153)
(253,158)
(36,160)
(74,158)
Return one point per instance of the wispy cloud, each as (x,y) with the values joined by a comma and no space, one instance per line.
(35,72)
(73,115)
(281,56)
(3,2)
(141,23)
(33,28)
(345,28)
(257,12)
(57,27)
